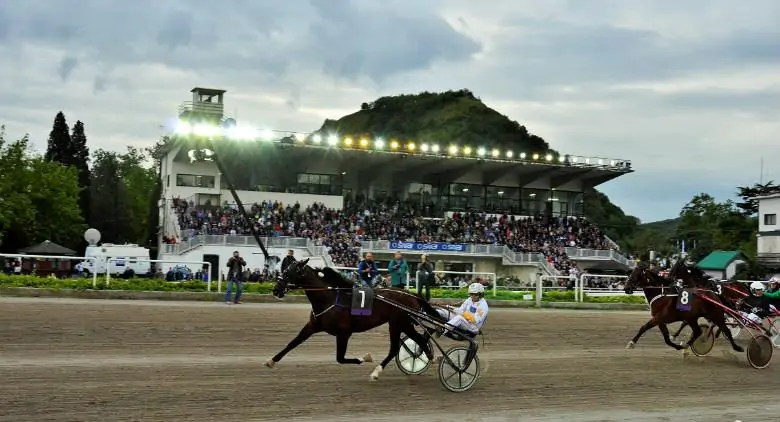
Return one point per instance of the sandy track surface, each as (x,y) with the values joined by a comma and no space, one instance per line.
(74,360)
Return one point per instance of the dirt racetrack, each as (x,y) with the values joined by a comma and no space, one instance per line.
(100,360)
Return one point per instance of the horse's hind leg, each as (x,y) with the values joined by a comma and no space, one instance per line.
(720,321)
(307,331)
(650,324)
(679,330)
(395,347)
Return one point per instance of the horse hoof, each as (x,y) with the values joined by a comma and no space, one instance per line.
(270,363)
(375,374)
(630,345)
(368,358)
(685,352)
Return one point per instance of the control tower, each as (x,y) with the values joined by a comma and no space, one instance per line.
(207,106)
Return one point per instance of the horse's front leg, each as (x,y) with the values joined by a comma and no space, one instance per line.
(648,325)
(665,332)
(342,340)
(307,331)
(679,330)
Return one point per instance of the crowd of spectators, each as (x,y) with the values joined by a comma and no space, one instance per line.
(341,231)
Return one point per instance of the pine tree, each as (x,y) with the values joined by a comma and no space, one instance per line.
(60,148)
(81,162)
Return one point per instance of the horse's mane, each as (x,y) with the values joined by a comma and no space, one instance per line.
(333,278)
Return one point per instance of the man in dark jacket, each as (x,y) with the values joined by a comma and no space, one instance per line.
(289,259)
(235,275)
(367,270)
(425,277)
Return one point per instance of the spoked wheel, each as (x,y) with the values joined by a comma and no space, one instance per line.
(458,378)
(411,359)
(706,341)
(759,351)
(733,325)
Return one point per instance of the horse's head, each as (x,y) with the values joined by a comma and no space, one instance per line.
(641,276)
(294,276)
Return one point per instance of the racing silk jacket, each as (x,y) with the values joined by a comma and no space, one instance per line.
(369,275)
(775,294)
(474,312)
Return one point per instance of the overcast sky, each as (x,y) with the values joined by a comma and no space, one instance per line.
(689,91)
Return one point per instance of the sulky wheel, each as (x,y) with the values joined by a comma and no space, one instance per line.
(411,359)
(733,325)
(453,374)
(759,351)
(703,345)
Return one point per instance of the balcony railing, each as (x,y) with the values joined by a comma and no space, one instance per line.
(216,109)
(769,259)
(384,245)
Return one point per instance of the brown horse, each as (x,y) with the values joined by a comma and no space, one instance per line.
(665,302)
(334,312)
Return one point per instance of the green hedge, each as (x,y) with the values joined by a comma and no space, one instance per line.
(146,284)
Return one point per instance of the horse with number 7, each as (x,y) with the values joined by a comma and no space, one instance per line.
(668,305)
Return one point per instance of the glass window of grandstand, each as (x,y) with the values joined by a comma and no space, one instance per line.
(501,199)
(535,201)
(578,202)
(319,184)
(195,181)
(559,201)
(460,197)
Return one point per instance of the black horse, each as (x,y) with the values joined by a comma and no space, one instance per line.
(330,296)
(662,296)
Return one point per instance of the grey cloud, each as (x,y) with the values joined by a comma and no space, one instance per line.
(176,31)
(67,65)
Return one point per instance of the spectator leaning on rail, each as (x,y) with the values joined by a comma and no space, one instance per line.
(289,259)
(398,269)
(425,277)
(235,275)
(367,270)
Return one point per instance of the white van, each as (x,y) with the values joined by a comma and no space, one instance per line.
(122,257)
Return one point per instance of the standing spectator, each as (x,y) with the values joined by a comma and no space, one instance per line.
(367,270)
(398,269)
(289,259)
(424,277)
(235,275)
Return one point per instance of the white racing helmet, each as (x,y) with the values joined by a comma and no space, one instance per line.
(757,286)
(476,289)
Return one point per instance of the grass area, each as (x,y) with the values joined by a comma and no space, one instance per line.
(158,285)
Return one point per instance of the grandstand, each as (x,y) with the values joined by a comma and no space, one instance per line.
(332,197)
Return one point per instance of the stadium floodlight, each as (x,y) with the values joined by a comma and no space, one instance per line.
(466,150)
(333,140)
(481,151)
(183,128)
(500,193)
(536,156)
(424,147)
(522,156)
(548,157)
(601,162)
(267,134)
(496,152)
(435,148)
(379,143)
(205,130)
(300,137)
(574,158)
(348,141)
(453,150)
(394,144)
(561,158)
(411,146)
(612,163)
(364,142)
(509,154)
(241,133)
(317,138)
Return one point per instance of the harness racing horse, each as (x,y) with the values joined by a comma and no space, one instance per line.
(663,300)
(330,296)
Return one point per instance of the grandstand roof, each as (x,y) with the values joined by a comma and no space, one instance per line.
(407,168)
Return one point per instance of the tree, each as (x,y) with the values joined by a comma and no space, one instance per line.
(81,163)
(706,225)
(139,181)
(111,209)
(60,148)
(749,206)
(38,199)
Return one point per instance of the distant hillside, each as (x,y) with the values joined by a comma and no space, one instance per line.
(664,226)
(462,118)
(448,117)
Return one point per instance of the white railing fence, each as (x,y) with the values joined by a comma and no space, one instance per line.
(59,258)
(491,277)
(585,277)
(164,261)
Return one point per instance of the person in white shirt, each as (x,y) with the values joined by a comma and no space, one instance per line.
(471,314)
